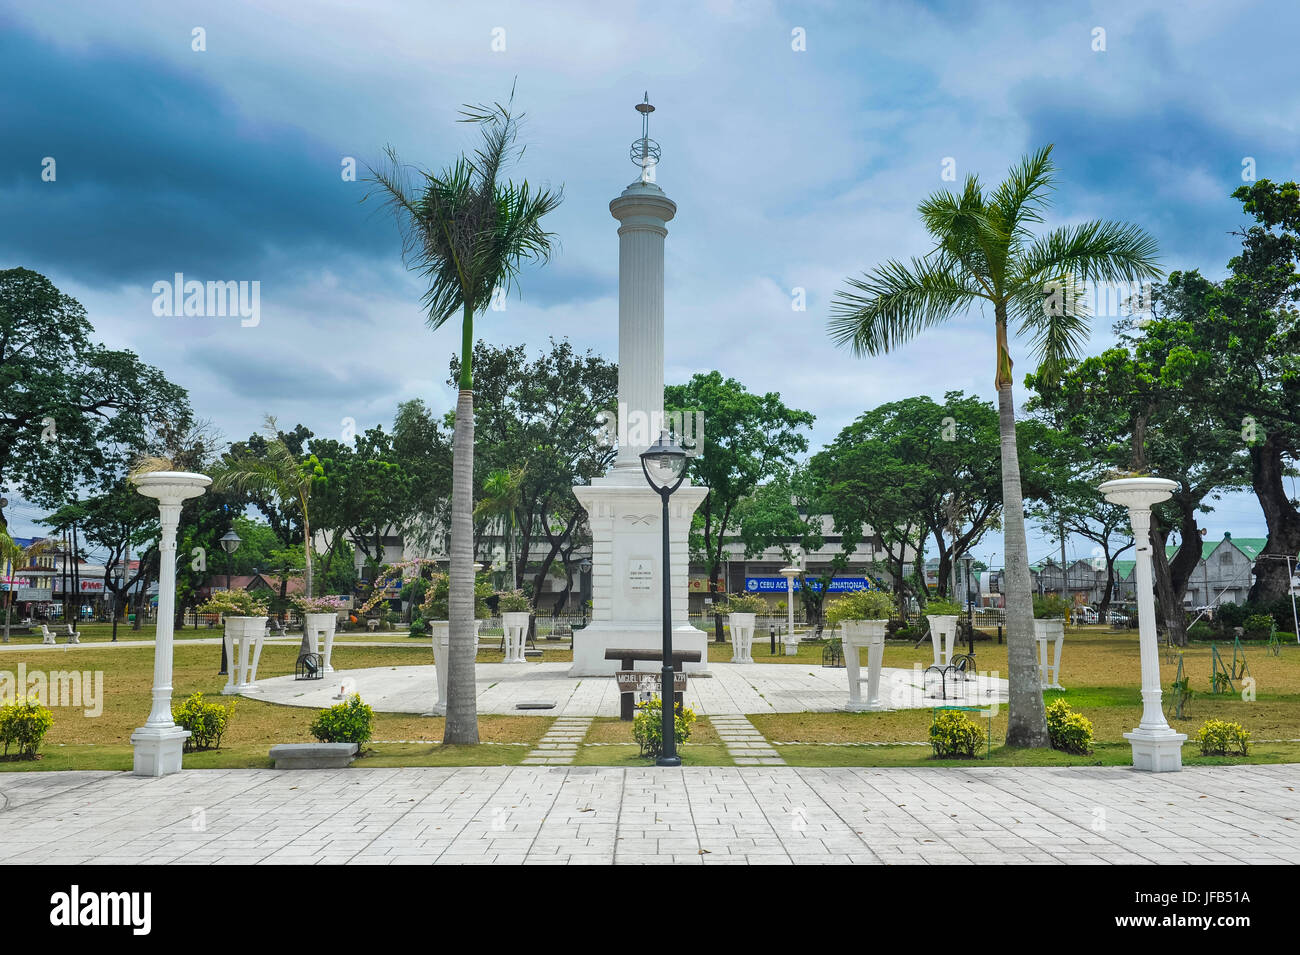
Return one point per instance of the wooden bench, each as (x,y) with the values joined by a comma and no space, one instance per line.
(627,660)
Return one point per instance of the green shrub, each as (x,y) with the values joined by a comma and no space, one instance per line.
(1200,631)
(1221,738)
(1068,731)
(419,627)
(24,723)
(942,608)
(648,726)
(1257,626)
(1050,607)
(350,722)
(207,722)
(955,735)
(860,605)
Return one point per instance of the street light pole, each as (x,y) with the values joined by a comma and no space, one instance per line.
(666,461)
(230,542)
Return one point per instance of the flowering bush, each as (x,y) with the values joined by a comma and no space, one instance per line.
(513,601)
(319,604)
(233,603)
(648,726)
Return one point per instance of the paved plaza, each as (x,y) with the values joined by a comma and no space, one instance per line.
(734,688)
(535,814)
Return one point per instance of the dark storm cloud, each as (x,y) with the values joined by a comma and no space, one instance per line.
(158,172)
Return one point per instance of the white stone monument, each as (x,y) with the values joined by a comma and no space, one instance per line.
(1156,747)
(158,744)
(622,510)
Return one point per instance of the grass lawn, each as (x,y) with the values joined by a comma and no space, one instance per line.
(78,741)
(1101,670)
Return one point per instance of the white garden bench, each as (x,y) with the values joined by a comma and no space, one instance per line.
(47,637)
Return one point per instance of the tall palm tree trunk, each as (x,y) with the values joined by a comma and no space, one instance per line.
(462,712)
(1026,718)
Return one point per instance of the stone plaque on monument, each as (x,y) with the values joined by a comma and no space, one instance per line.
(640,576)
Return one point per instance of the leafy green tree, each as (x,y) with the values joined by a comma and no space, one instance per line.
(423,451)
(72,413)
(1142,407)
(119,522)
(916,470)
(468,233)
(748,440)
(277,472)
(536,422)
(790,512)
(1062,475)
(987,253)
(1248,325)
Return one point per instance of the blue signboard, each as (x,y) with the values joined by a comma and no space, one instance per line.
(776,585)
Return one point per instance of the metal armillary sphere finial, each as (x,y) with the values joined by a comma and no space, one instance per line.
(645,151)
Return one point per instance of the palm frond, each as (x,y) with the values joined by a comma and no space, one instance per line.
(895,302)
(1057,320)
(1022,196)
(1102,250)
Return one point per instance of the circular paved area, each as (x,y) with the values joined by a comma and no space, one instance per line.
(733,688)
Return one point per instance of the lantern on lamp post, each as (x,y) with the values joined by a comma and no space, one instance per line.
(664,465)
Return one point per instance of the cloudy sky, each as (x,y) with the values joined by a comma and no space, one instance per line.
(791,168)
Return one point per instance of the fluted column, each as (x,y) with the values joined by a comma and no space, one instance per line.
(643,212)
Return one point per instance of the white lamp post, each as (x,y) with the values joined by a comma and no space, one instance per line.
(158,744)
(1156,747)
(790,573)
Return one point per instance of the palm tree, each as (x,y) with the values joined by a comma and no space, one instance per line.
(276,472)
(502,491)
(985,251)
(468,234)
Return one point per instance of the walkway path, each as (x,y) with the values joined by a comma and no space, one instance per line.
(746,745)
(573,814)
(560,744)
(734,688)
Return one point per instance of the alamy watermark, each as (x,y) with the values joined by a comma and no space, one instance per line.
(83,688)
(182,297)
(1098,299)
(640,429)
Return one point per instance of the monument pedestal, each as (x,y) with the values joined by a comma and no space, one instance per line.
(157,750)
(626,576)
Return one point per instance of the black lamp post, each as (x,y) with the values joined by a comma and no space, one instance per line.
(230,542)
(664,464)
